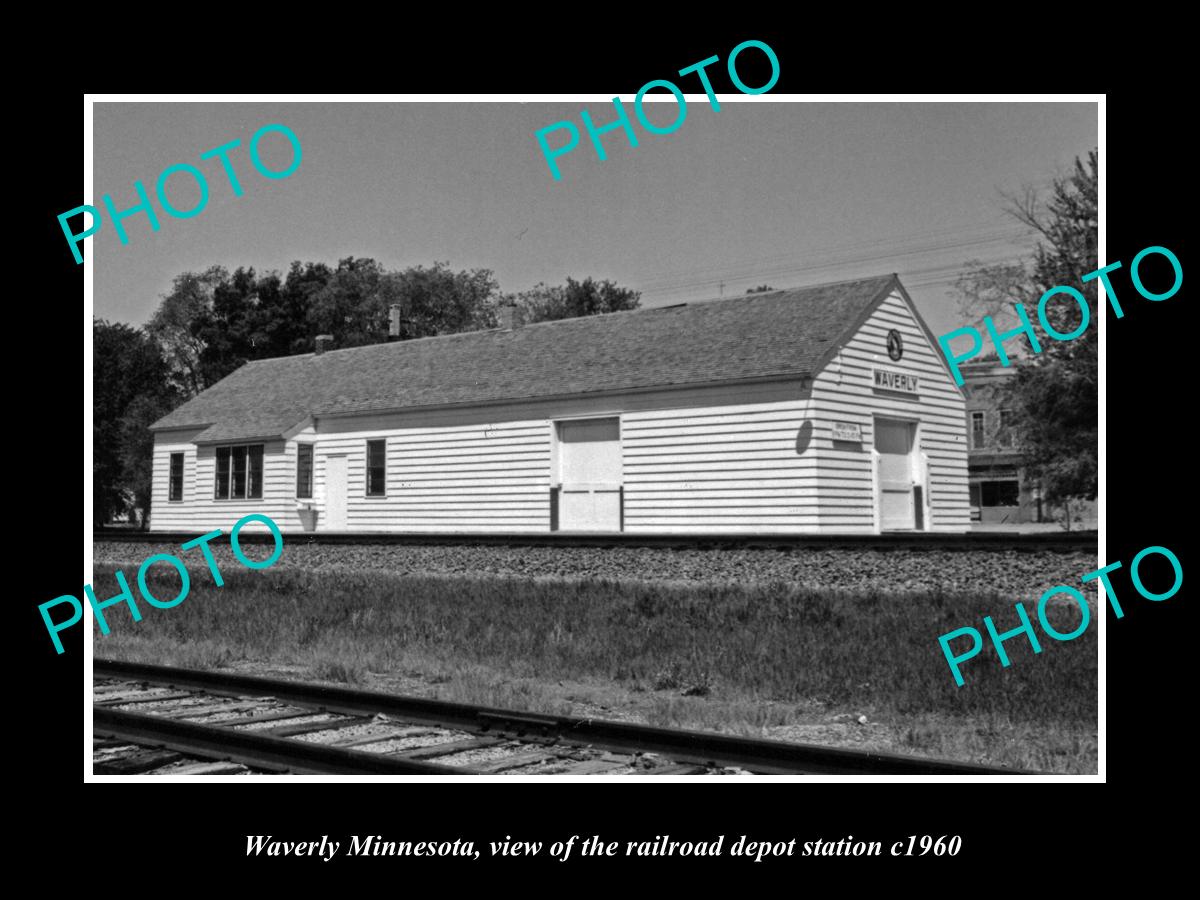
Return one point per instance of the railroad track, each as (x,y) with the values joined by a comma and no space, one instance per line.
(1054,541)
(163,720)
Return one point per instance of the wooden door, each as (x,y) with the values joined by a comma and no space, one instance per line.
(335,493)
(894,443)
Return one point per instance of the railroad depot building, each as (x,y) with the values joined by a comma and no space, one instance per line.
(825,409)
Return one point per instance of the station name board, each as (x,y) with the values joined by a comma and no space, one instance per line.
(895,381)
(847,431)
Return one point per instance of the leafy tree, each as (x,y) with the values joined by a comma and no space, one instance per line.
(438,300)
(354,306)
(131,388)
(589,297)
(761,289)
(137,444)
(349,306)
(1055,392)
(285,306)
(991,290)
(173,326)
(213,322)
(226,328)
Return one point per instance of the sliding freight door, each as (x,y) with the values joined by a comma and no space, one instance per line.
(589,463)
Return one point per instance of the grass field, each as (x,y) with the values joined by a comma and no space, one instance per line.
(766,659)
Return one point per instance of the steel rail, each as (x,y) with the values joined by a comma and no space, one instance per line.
(917,541)
(702,748)
(260,751)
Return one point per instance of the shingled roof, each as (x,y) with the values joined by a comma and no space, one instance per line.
(778,334)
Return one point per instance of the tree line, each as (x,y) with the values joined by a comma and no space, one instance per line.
(1055,394)
(212,322)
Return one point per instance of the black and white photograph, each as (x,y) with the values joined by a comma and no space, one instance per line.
(527,439)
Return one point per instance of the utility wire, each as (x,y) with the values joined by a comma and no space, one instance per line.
(906,243)
(1012,241)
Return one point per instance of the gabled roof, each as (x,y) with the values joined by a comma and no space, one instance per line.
(781,334)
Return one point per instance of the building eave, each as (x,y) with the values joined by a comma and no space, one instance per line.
(804,378)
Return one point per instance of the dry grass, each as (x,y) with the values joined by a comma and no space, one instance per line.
(732,658)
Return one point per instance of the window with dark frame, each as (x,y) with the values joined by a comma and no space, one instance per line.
(377,468)
(222,489)
(175,489)
(304,471)
(254,488)
(978,436)
(1000,493)
(239,472)
(237,486)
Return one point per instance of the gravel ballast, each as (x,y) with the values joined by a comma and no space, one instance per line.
(1021,574)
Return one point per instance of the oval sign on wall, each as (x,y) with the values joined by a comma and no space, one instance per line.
(895,345)
(804,436)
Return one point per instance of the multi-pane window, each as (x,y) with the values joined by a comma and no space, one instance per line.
(175,488)
(222,490)
(237,486)
(239,472)
(376,468)
(978,438)
(304,471)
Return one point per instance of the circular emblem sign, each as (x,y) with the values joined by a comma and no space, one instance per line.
(895,345)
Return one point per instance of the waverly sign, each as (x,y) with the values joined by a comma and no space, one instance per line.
(895,381)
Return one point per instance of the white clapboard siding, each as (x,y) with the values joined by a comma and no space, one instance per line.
(199,511)
(695,455)
(693,460)
(844,391)
(484,476)
(716,459)
(732,469)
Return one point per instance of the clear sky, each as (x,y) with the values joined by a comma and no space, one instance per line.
(785,194)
